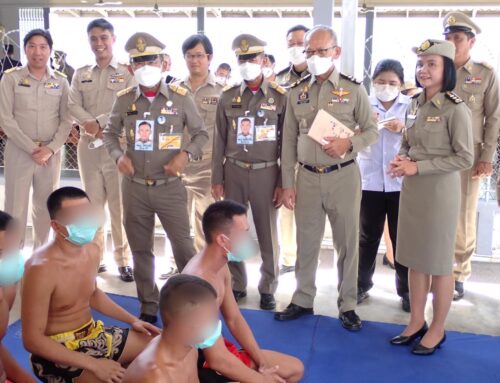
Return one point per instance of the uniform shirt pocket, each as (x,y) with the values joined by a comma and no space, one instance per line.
(473,96)
(435,135)
(24,98)
(53,97)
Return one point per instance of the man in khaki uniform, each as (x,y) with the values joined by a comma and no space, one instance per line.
(477,85)
(328,181)
(152,183)
(291,75)
(34,116)
(93,92)
(198,53)
(245,166)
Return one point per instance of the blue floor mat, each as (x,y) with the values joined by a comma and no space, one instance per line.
(332,354)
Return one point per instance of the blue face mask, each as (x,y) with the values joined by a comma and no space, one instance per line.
(11,268)
(242,250)
(211,339)
(82,232)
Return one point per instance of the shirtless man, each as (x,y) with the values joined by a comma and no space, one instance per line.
(190,316)
(59,290)
(225,226)
(11,271)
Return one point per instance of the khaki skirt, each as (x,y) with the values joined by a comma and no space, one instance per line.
(428,216)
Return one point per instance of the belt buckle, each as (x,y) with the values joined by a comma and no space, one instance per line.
(247,165)
(150,182)
(321,169)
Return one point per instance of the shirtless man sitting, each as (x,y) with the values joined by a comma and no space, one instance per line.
(11,272)
(226,230)
(59,290)
(190,316)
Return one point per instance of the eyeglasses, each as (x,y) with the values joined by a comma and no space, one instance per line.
(197,56)
(320,52)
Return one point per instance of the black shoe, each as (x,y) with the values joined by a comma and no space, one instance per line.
(405,303)
(149,318)
(173,271)
(402,340)
(102,268)
(126,274)
(239,295)
(350,321)
(292,312)
(386,262)
(286,269)
(424,351)
(362,296)
(459,291)
(267,302)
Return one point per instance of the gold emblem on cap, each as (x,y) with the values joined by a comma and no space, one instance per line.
(140,44)
(244,46)
(424,46)
(451,20)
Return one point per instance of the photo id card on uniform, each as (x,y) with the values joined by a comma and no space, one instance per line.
(144,133)
(265,133)
(170,141)
(245,133)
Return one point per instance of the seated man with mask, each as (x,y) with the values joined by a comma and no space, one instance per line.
(226,228)
(11,272)
(190,316)
(59,291)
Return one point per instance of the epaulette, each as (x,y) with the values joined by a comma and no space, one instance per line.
(125,91)
(13,69)
(61,74)
(300,80)
(277,87)
(454,97)
(283,71)
(178,89)
(485,64)
(230,86)
(350,78)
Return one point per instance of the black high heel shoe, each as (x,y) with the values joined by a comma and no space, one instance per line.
(402,340)
(419,349)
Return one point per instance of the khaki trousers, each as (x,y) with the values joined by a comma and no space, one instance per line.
(288,244)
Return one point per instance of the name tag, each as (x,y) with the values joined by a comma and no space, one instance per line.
(411,116)
(433,119)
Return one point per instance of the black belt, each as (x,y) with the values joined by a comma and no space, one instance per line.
(326,169)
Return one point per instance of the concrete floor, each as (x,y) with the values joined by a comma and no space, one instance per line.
(478,313)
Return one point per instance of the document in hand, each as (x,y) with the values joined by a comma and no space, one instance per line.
(325,125)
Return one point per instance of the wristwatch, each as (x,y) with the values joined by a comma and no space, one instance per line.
(190,156)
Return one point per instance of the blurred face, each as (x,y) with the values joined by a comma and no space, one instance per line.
(144,132)
(101,43)
(430,70)
(166,64)
(463,44)
(321,44)
(245,128)
(296,39)
(259,59)
(268,63)
(223,73)
(10,239)
(387,78)
(197,60)
(37,52)
(72,211)
(194,324)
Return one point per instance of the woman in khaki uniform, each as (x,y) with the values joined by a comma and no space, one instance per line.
(437,144)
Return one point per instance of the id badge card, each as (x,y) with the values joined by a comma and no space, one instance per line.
(265,133)
(170,141)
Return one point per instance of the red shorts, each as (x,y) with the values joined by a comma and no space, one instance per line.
(240,354)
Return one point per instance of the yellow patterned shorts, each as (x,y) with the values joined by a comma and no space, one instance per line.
(92,339)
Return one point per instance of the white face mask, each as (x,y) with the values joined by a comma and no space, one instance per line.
(250,71)
(318,65)
(267,72)
(386,93)
(148,75)
(296,55)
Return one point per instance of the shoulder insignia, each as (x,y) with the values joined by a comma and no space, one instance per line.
(60,74)
(230,86)
(125,91)
(177,89)
(350,78)
(277,87)
(454,97)
(13,69)
(300,80)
